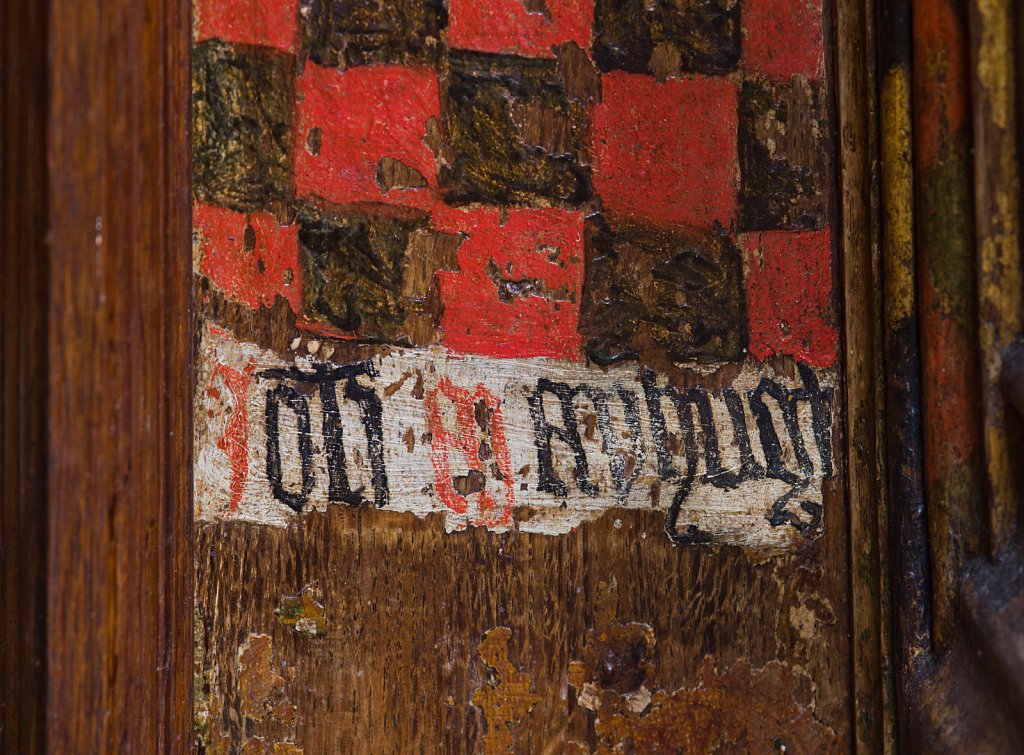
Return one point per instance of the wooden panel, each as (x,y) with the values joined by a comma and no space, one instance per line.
(497,219)
(399,666)
(97,485)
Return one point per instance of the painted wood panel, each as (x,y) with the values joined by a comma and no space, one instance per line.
(518,407)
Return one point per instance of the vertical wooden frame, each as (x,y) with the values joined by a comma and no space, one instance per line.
(97,507)
(23,452)
(856,82)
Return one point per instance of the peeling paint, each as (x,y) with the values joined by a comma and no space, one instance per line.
(204,703)
(260,687)
(505,698)
(513,26)
(758,710)
(742,464)
(259,746)
(764,710)
(303,612)
(993,56)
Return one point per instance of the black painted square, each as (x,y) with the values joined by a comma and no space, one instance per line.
(783,151)
(662,297)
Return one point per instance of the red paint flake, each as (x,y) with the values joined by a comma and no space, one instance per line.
(666,153)
(466,441)
(217,330)
(789,287)
(364,114)
(254,277)
(267,23)
(782,38)
(234,441)
(506,26)
(537,258)
(324,329)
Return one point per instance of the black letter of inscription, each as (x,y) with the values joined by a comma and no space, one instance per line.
(686,402)
(659,430)
(338,488)
(750,468)
(548,479)
(298,404)
(612,444)
(327,377)
(788,400)
(371,408)
(821,407)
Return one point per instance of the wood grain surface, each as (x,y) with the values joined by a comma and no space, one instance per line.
(97,388)
(398,667)
(25,316)
(856,86)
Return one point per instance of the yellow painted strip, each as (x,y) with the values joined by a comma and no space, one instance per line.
(897,195)
(994,61)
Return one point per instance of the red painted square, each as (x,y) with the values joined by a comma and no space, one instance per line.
(349,120)
(782,38)
(254,273)
(268,23)
(789,287)
(666,153)
(517,291)
(506,26)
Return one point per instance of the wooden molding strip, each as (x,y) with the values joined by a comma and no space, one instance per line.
(858,155)
(97,506)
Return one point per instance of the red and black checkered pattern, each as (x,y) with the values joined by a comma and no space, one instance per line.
(600,179)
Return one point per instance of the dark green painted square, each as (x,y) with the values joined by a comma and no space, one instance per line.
(498,151)
(243,102)
(362,32)
(353,269)
(694,36)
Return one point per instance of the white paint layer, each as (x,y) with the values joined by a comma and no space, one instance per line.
(530,444)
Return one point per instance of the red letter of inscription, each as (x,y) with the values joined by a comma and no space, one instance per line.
(235,440)
(465,441)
